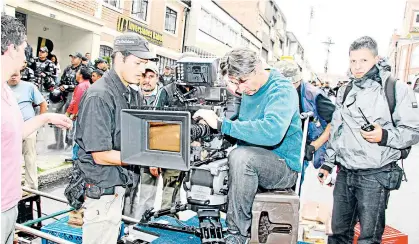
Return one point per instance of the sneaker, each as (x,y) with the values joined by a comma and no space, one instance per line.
(235,239)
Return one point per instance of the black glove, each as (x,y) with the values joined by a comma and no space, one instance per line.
(309,152)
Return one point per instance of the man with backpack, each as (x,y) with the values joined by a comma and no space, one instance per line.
(375,122)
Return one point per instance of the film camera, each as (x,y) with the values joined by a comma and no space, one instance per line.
(161,137)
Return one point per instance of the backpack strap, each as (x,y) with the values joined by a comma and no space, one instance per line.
(347,90)
(390,91)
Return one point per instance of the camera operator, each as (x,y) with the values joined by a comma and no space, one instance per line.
(45,71)
(269,133)
(311,99)
(27,74)
(66,86)
(367,154)
(98,133)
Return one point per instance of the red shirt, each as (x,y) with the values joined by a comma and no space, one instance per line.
(73,108)
(11,149)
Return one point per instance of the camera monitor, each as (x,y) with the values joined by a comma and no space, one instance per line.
(156,138)
(197,71)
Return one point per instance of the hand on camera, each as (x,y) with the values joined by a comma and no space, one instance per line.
(209,116)
(374,136)
(62,88)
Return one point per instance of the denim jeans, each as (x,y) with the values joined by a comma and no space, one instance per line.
(358,196)
(250,168)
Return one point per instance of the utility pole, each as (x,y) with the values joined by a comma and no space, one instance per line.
(311,19)
(328,43)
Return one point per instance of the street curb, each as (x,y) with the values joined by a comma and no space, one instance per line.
(54,175)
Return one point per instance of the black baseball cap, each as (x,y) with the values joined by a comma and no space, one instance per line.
(44,49)
(84,59)
(100,60)
(76,55)
(134,44)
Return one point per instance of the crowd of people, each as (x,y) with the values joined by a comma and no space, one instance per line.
(88,99)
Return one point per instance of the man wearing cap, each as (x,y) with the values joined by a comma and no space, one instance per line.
(167,76)
(27,74)
(45,71)
(98,133)
(67,85)
(101,64)
(311,99)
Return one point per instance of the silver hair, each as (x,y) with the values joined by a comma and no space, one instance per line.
(239,62)
(12,32)
(364,42)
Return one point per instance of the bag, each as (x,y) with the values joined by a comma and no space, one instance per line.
(390,91)
(391,179)
(76,188)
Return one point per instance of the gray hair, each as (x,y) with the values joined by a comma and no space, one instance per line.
(364,42)
(239,62)
(12,32)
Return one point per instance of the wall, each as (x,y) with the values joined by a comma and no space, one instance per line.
(74,40)
(66,39)
(246,14)
(53,31)
(86,7)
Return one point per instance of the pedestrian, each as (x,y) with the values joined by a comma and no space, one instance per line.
(167,76)
(367,149)
(83,78)
(28,96)
(54,59)
(311,99)
(96,75)
(98,133)
(13,129)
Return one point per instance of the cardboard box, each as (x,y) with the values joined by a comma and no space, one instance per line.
(390,236)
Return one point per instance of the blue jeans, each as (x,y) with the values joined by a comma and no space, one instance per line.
(250,168)
(358,196)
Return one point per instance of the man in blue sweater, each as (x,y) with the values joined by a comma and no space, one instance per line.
(269,135)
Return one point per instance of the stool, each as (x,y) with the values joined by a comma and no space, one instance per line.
(25,209)
(275,217)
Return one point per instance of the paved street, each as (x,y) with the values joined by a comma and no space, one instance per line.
(402,212)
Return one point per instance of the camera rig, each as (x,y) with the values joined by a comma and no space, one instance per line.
(205,177)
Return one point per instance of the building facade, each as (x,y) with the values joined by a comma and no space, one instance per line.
(404,46)
(212,31)
(67,26)
(265,20)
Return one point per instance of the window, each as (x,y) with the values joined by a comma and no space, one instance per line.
(417,18)
(140,9)
(105,51)
(170,23)
(113,3)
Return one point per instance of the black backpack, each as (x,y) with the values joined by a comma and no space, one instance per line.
(390,91)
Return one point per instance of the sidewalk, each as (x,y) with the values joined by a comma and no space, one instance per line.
(51,163)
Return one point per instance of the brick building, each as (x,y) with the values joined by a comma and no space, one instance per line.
(67,26)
